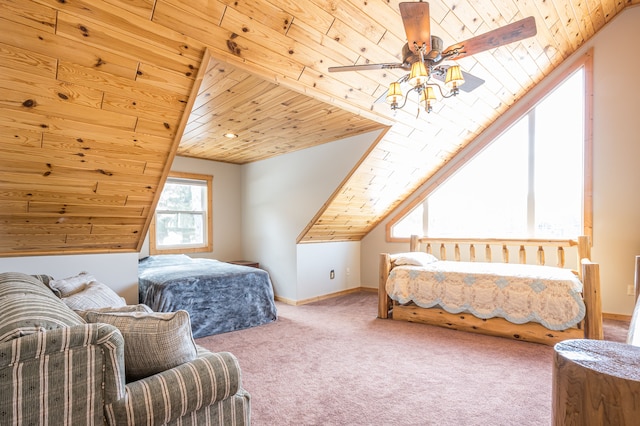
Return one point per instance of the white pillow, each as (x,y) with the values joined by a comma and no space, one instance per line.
(414,258)
(94,295)
(67,286)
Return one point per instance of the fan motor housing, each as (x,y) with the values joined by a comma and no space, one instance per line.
(409,56)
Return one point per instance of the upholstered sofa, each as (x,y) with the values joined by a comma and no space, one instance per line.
(57,369)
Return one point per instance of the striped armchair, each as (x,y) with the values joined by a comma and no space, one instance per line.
(55,369)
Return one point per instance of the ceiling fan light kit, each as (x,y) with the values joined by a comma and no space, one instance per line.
(423,56)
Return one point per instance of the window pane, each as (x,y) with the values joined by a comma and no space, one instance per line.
(179,228)
(183,197)
(412,224)
(559,162)
(528,183)
(488,196)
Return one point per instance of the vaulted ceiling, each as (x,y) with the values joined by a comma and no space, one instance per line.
(97,96)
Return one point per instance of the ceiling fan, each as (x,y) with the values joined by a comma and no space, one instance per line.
(423,55)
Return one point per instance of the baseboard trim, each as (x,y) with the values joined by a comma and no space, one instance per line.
(324,296)
(616,317)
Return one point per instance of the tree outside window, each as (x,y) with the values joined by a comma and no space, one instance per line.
(182,220)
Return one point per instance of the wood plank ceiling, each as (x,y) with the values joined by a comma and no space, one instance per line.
(96,95)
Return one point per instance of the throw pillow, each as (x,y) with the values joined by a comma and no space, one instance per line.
(414,258)
(67,286)
(28,307)
(153,342)
(127,308)
(94,295)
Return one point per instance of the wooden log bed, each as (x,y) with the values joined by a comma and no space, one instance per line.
(465,250)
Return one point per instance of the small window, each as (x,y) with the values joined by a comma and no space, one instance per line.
(182,220)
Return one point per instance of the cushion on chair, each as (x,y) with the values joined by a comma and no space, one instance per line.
(127,308)
(153,342)
(29,307)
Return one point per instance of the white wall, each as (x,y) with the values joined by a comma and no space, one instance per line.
(280,197)
(315,263)
(119,271)
(616,141)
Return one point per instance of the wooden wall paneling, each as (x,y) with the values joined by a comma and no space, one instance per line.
(63,108)
(125,146)
(30,14)
(49,87)
(142,8)
(25,228)
(41,42)
(307,12)
(56,160)
(596,13)
(139,108)
(226,41)
(263,37)
(263,12)
(165,79)
(345,34)
(324,83)
(488,12)
(15,58)
(110,40)
(583,18)
(355,17)
(113,84)
(11,138)
(209,10)
(117,20)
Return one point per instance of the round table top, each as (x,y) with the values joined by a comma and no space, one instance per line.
(606,357)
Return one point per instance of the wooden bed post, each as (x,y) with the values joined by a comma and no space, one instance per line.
(383,298)
(636,279)
(592,300)
(584,249)
(414,243)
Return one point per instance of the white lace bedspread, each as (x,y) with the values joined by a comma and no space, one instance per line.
(548,295)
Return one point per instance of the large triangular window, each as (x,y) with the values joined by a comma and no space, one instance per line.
(531,181)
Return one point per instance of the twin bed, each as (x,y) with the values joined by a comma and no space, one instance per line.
(219,296)
(537,303)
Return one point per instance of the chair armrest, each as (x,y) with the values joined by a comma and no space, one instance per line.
(88,356)
(171,394)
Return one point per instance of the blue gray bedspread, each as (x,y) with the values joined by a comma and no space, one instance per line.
(219,296)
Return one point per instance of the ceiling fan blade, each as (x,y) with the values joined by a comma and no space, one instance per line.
(417,24)
(504,35)
(471,82)
(366,67)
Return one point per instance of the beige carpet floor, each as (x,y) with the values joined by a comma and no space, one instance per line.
(334,363)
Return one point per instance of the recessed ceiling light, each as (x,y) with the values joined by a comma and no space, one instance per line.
(230,135)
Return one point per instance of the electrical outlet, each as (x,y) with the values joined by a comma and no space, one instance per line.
(332,274)
(631,290)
